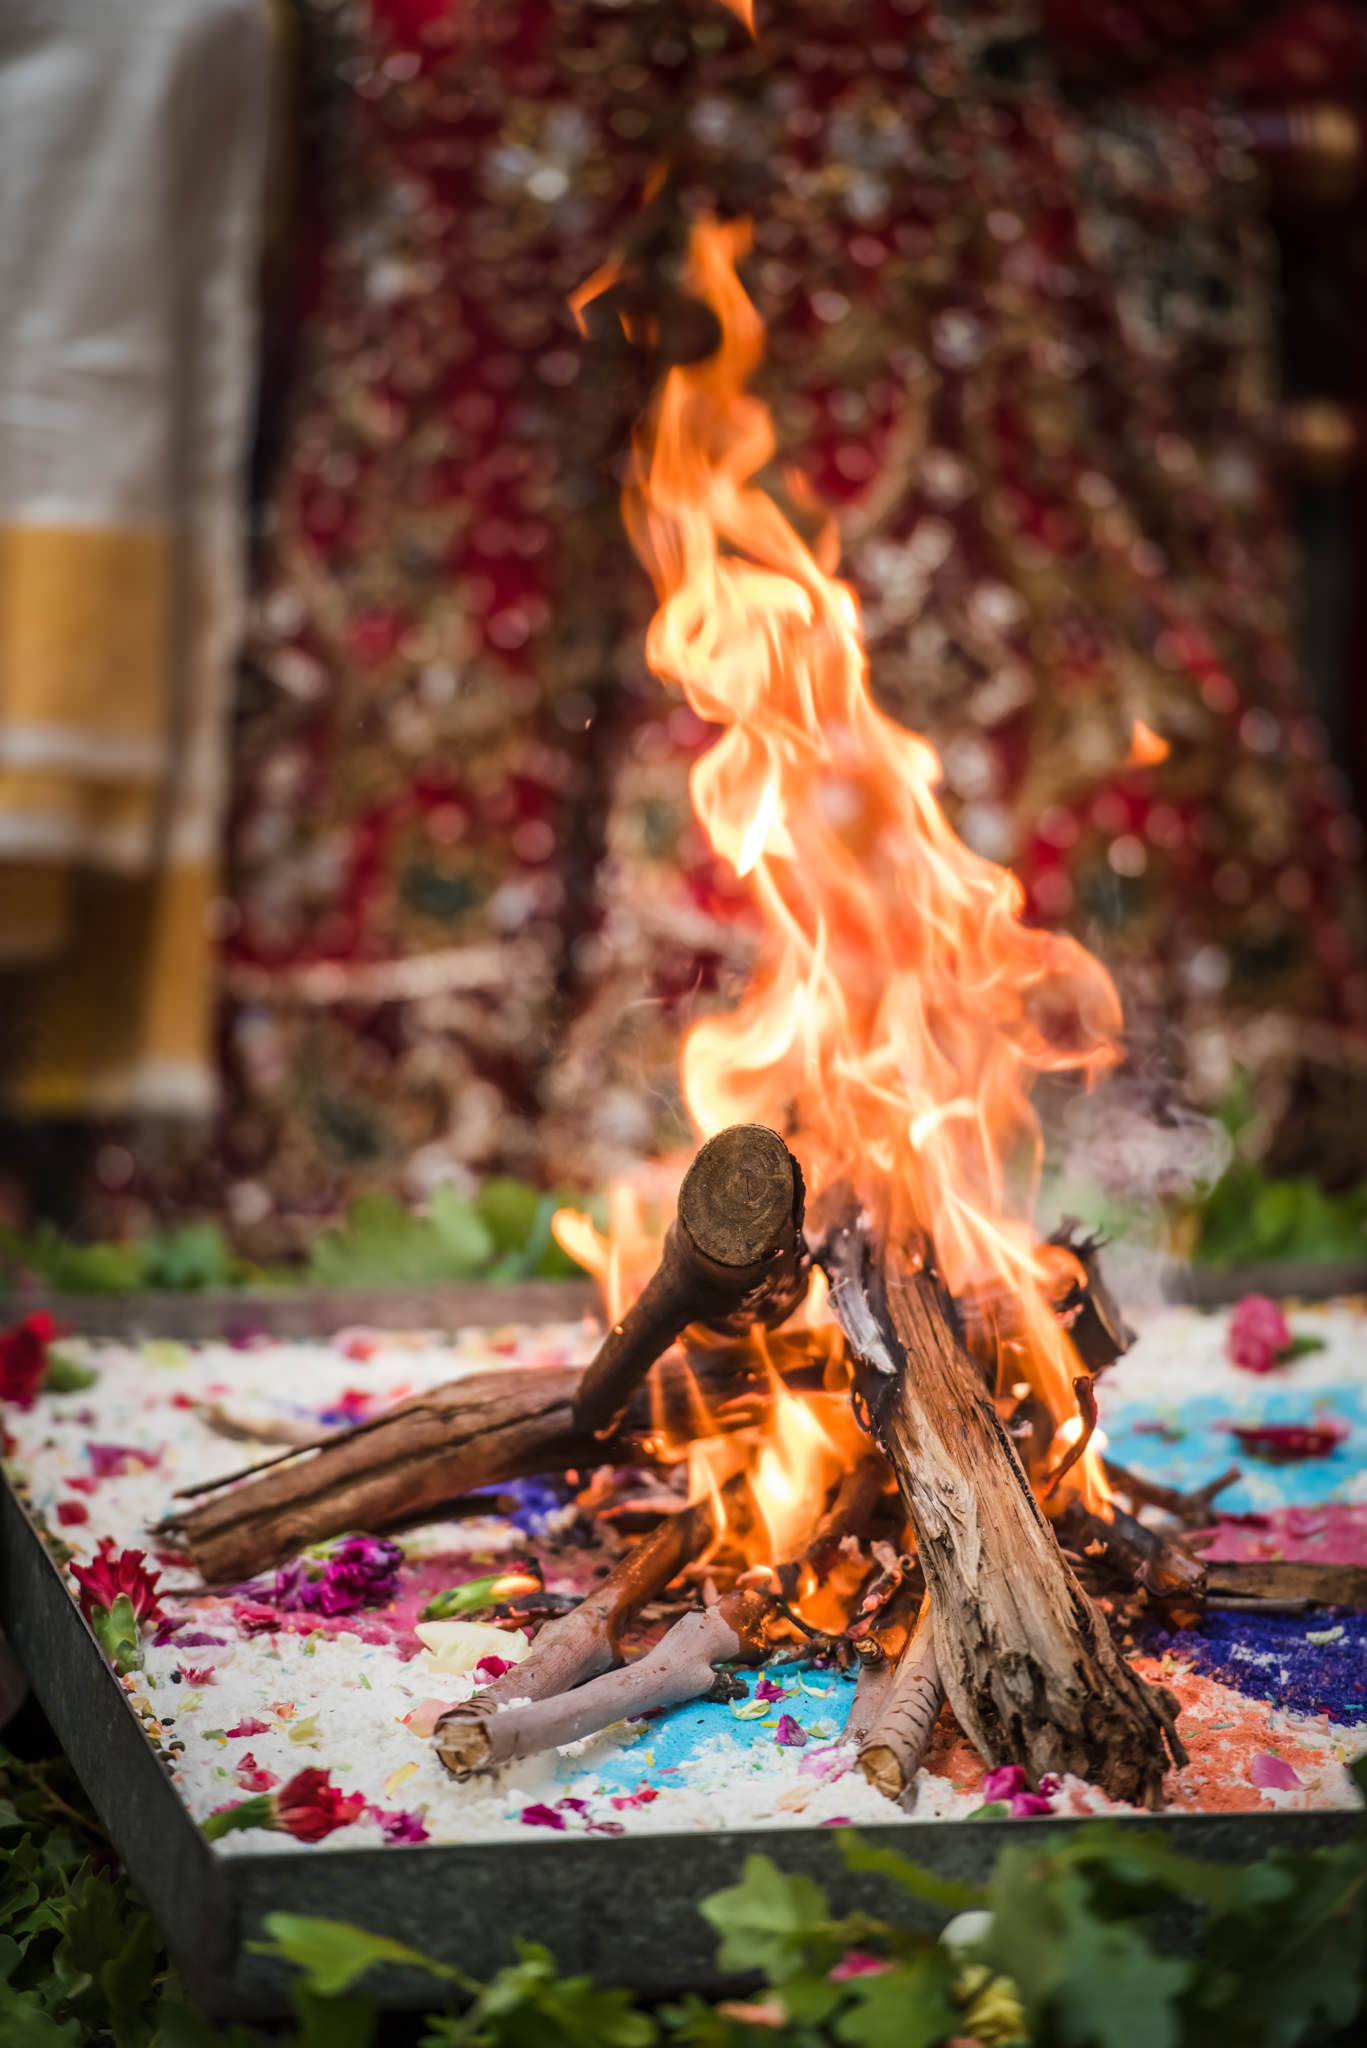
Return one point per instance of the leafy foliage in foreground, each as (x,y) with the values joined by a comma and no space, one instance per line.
(502,1232)
(1059,1951)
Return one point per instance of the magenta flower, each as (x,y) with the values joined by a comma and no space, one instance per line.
(767,1690)
(1004,1783)
(111,1461)
(399,1826)
(1258,1335)
(791,1734)
(1285,1443)
(858,1963)
(1024,1804)
(361,1572)
(542,1817)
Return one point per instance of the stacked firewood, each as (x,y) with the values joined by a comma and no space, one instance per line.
(967,1570)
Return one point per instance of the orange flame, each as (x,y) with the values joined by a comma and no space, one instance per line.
(1147,748)
(902,1011)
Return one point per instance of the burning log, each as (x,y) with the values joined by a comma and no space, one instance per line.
(743,1626)
(1134,1554)
(733,1257)
(1027,1661)
(892,1752)
(579,1645)
(475,1432)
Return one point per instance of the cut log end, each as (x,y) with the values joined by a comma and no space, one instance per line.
(741,1196)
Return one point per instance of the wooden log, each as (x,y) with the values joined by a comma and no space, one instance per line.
(579,1645)
(733,1256)
(1027,1660)
(741,1627)
(1265,1579)
(467,1433)
(895,1746)
(1193,1510)
(879,1650)
(1135,1554)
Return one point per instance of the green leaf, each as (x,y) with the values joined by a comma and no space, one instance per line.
(1300,1347)
(466,1599)
(765,1920)
(116,1631)
(383,1244)
(24,2024)
(922,1884)
(909,2006)
(334,1954)
(196,1255)
(256,1812)
(62,1375)
(332,2022)
(180,2026)
(127,1982)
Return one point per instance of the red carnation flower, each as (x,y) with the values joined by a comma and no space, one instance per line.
(308,1807)
(111,1574)
(23,1358)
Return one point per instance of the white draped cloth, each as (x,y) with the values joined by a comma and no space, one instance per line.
(132,148)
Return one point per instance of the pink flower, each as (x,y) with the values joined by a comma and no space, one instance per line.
(71,1512)
(490,1668)
(254,1619)
(767,1690)
(1272,1773)
(23,1358)
(1285,1443)
(247,1727)
(399,1826)
(113,1573)
(111,1461)
(1003,1783)
(1257,1334)
(197,1674)
(252,1778)
(858,1963)
(1023,1804)
(642,1796)
(542,1817)
(790,1733)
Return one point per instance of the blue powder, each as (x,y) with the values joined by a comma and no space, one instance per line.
(676,1737)
(1267,1657)
(1200,1447)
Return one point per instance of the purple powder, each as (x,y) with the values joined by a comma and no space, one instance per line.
(1267,1657)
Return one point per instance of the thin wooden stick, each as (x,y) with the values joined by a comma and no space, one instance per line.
(900,1736)
(1086,1408)
(741,1627)
(579,1645)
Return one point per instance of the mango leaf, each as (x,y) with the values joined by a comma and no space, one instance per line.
(922,1884)
(766,1919)
(334,1954)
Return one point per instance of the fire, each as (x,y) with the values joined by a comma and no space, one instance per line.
(902,1010)
(1147,748)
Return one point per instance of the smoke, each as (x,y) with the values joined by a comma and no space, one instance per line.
(1127,1159)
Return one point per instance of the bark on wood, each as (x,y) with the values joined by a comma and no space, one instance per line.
(893,1751)
(740,1627)
(1134,1554)
(1026,1659)
(581,1644)
(733,1256)
(468,1433)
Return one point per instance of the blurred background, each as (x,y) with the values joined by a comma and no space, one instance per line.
(347,855)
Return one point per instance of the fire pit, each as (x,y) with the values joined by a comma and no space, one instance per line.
(821,1530)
